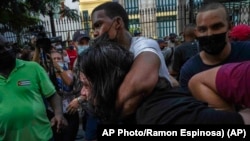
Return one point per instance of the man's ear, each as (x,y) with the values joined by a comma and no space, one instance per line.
(119,23)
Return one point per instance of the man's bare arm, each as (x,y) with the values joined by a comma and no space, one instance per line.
(139,82)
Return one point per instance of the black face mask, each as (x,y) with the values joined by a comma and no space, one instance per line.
(103,37)
(7,60)
(213,44)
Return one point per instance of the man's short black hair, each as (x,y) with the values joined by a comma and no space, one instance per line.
(213,6)
(113,9)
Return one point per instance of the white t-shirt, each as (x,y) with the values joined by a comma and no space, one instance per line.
(142,44)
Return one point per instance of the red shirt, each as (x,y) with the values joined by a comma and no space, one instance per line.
(232,82)
(72,57)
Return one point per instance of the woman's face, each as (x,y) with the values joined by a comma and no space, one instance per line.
(86,88)
(57,57)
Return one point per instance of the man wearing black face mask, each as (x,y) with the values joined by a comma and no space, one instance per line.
(212,31)
(23,84)
(8,59)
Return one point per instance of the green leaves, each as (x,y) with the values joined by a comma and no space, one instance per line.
(69,13)
(18,14)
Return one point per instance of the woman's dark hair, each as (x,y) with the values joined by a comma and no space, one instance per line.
(105,65)
(113,9)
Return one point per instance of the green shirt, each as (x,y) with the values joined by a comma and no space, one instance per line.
(22,110)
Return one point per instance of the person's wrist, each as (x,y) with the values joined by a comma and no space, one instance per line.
(79,100)
(60,70)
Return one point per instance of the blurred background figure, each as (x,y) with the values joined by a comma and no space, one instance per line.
(72,54)
(81,38)
(169,53)
(172,40)
(64,79)
(137,33)
(66,58)
(163,46)
(186,50)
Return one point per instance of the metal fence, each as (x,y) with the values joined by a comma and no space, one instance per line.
(156,22)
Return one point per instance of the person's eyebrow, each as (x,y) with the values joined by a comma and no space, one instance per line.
(213,26)
(217,25)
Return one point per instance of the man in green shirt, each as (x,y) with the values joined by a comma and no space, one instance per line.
(23,85)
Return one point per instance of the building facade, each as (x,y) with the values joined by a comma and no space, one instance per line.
(153,18)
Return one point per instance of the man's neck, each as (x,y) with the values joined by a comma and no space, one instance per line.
(126,40)
(214,60)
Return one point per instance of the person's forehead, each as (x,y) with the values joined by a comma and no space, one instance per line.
(99,15)
(83,77)
(56,54)
(211,15)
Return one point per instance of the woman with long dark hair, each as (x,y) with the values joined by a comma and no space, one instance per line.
(103,68)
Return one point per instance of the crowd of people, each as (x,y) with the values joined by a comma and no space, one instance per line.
(121,78)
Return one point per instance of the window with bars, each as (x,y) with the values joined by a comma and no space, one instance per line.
(86,19)
(134,24)
(196,4)
(166,5)
(166,25)
(131,6)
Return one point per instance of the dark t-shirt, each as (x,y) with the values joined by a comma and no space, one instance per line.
(240,52)
(184,52)
(175,106)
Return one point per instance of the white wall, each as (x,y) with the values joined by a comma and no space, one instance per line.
(68,3)
(72,5)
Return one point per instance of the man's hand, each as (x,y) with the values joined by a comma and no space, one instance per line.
(59,121)
(73,106)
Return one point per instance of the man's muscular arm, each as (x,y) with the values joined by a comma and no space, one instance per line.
(139,82)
